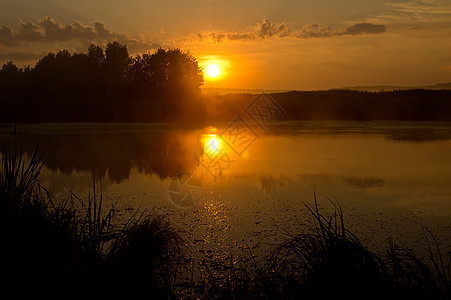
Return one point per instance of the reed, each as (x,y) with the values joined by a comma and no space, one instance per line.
(38,236)
(51,247)
(327,254)
(326,260)
(426,278)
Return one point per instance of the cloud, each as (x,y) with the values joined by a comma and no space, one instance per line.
(364,28)
(425,7)
(432,15)
(21,56)
(265,30)
(48,30)
(27,32)
(268,30)
(314,31)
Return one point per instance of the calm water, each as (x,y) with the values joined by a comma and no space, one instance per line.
(241,187)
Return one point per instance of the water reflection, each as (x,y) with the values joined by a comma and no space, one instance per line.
(162,151)
(255,196)
(364,182)
(114,150)
(212,143)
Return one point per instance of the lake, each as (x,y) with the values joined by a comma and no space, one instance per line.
(237,186)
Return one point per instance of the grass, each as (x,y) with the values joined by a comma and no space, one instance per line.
(327,254)
(76,247)
(51,248)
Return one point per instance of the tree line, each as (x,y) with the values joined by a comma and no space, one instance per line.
(99,84)
(342,104)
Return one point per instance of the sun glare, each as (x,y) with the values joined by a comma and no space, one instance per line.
(213,71)
(215,68)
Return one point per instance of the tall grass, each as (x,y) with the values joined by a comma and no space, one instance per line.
(326,261)
(18,179)
(38,236)
(428,278)
(327,254)
(48,247)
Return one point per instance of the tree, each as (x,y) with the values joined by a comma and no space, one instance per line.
(115,64)
(166,72)
(10,78)
(9,68)
(95,55)
(45,64)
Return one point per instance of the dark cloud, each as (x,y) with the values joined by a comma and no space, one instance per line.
(27,32)
(315,31)
(364,28)
(49,30)
(268,29)
(322,31)
(222,37)
(265,30)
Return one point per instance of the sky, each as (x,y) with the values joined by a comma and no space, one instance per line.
(265,44)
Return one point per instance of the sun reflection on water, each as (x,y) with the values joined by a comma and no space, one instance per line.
(212,143)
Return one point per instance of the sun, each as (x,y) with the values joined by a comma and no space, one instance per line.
(213,71)
(215,68)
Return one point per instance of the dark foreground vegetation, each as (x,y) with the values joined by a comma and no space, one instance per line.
(76,248)
(108,85)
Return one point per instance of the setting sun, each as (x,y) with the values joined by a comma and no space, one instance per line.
(213,71)
(216,69)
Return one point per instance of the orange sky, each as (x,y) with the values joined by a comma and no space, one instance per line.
(257,44)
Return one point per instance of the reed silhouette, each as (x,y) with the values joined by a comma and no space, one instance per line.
(75,247)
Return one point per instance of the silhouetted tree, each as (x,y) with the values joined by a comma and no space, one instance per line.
(9,68)
(115,64)
(169,71)
(45,63)
(10,79)
(140,74)
(96,56)
(9,73)
(43,73)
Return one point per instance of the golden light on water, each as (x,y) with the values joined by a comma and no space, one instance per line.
(212,143)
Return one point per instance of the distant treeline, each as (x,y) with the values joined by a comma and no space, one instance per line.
(107,85)
(409,105)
